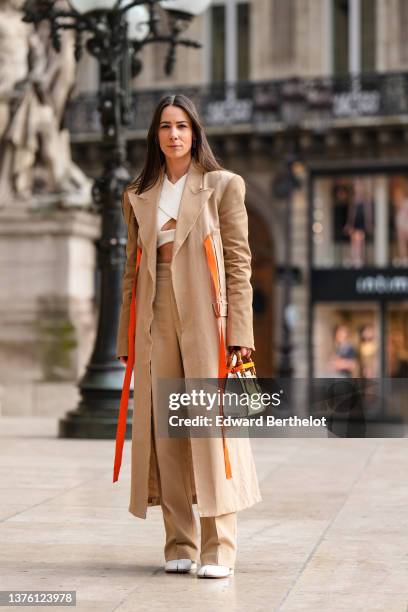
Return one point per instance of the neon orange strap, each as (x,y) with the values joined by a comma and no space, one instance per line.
(222,356)
(124,398)
(212,264)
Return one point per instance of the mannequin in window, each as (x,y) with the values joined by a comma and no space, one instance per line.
(359,219)
(344,361)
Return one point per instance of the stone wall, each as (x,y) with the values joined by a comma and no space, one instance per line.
(47,307)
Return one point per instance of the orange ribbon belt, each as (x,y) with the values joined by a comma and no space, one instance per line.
(124,398)
(222,355)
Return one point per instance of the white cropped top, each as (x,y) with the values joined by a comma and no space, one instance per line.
(168,208)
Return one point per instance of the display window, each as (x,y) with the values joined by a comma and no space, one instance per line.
(350,341)
(398,198)
(360,221)
(397,340)
(346,341)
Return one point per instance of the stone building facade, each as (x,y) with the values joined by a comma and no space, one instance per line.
(351,61)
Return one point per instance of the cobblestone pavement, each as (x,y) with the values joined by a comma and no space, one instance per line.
(331,533)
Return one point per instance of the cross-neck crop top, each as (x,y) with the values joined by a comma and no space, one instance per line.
(168,208)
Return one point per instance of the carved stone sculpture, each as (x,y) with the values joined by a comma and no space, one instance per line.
(35,83)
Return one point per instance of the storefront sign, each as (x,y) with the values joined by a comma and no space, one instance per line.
(380,284)
(348,285)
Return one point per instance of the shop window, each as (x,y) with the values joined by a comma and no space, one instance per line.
(360,221)
(344,222)
(354,219)
(397,341)
(346,341)
(398,224)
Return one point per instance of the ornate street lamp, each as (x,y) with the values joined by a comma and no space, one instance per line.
(116,32)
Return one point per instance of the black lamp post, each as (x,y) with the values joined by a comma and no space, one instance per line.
(292,110)
(117,31)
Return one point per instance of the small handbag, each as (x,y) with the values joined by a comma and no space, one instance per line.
(242,380)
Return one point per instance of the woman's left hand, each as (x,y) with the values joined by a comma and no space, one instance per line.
(245,351)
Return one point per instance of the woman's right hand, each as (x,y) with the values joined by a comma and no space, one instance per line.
(123,360)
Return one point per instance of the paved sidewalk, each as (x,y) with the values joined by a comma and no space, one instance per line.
(331,533)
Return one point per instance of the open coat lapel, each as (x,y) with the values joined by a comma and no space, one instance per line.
(145,209)
(193,198)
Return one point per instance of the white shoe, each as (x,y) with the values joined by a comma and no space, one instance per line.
(214,571)
(180,566)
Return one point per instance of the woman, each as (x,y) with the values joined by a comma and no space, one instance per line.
(184,215)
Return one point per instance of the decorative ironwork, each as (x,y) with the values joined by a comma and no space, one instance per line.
(260,104)
(109,41)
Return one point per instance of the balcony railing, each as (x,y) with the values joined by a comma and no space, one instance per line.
(258,105)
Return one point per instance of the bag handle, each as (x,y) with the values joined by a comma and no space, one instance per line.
(240,365)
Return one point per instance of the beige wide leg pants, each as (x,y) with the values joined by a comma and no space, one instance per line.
(218,533)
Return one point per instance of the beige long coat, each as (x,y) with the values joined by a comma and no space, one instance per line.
(211,203)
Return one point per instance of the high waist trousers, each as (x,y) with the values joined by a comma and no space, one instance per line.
(176,480)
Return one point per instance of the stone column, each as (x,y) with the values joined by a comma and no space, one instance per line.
(231,68)
(354,32)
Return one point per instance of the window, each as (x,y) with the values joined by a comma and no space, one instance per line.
(350,341)
(368,35)
(403,29)
(353,36)
(243,42)
(361,221)
(229,46)
(397,340)
(218,43)
(340,36)
(346,340)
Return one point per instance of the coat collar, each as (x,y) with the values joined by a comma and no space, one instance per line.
(193,198)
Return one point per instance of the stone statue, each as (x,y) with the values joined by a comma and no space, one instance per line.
(35,83)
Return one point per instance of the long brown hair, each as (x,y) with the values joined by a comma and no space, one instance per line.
(200,151)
